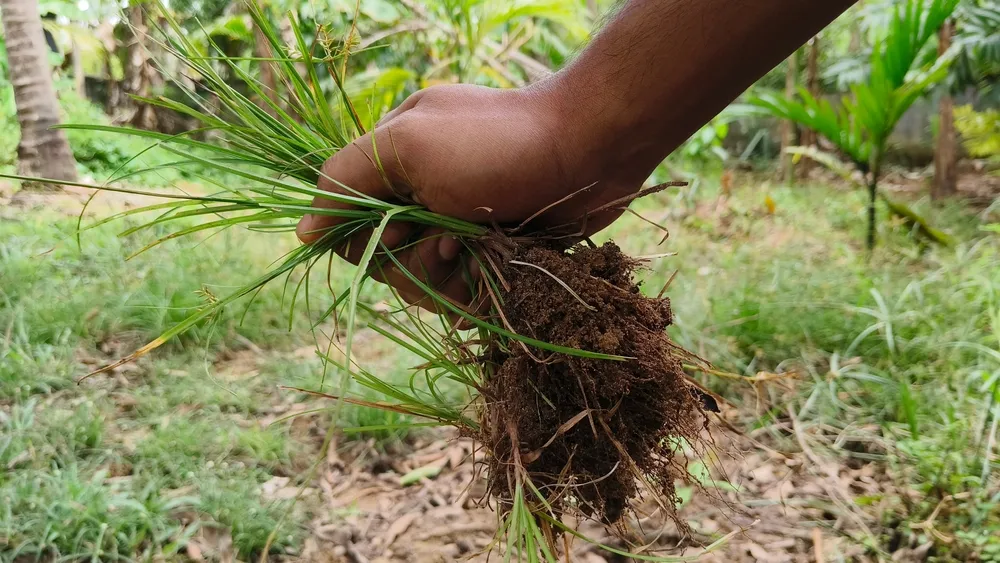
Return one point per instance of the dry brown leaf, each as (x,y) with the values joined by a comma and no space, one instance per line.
(212,543)
(399,527)
(194,552)
(764,556)
(456,455)
(359,494)
(272,485)
(563,428)
(764,474)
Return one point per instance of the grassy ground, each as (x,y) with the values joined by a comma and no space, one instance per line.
(899,349)
(124,466)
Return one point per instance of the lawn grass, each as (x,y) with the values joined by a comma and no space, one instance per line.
(904,343)
(116,467)
(129,465)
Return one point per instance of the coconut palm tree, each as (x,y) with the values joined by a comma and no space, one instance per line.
(42,152)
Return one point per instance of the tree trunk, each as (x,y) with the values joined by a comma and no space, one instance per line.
(114,96)
(140,75)
(42,152)
(872,217)
(946,151)
(106,35)
(876,171)
(809,137)
(786,167)
(262,50)
(857,41)
(287,35)
(79,79)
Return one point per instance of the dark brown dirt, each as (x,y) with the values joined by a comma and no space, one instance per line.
(589,432)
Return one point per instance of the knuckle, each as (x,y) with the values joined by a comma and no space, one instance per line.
(328,172)
(429,92)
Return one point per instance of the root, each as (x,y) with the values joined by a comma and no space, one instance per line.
(587,433)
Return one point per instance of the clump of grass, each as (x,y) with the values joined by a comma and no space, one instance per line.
(30,440)
(74,513)
(277,151)
(233,500)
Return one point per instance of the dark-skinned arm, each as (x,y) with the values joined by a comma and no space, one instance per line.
(657,72)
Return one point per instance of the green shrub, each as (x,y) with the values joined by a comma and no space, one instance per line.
(980,131)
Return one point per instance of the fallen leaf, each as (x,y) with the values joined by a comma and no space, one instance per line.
(456,455)
(769,204)
(764,556)
(272,485)
(194,552)
(399,526)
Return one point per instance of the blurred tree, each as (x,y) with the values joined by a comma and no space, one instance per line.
(972,39)
(808,137)
(479,41)
(141,77)
(980,131)
(946,149)
(79,32)
(977,46)
(262,50)
(42,151)
(786,167)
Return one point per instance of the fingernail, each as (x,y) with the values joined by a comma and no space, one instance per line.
(449,248)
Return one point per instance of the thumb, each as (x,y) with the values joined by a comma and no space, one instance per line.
(352,170)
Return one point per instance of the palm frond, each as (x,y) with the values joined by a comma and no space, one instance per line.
(818,114)
(912,25)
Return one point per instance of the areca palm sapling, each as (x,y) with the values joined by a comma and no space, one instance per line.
(861,123)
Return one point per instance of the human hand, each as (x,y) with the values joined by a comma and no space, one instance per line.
(479,154)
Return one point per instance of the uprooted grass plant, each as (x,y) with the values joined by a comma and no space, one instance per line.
(578,398)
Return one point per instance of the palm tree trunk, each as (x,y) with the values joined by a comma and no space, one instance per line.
(42,152)
(79,79)
(106,35)
(946,151)
(857,41)
(140,75)
(809,137)
(788,127)
(287,35)
(262,49)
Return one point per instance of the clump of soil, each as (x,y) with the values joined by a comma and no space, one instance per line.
(585,431)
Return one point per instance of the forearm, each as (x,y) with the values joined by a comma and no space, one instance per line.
(663,68)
